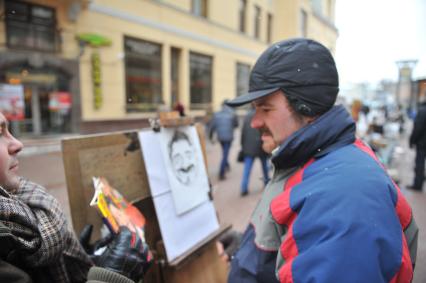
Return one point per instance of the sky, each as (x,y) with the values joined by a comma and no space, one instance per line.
(374,34)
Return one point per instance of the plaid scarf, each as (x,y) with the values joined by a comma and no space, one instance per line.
(43,245)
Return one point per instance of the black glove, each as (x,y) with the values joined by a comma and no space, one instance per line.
(85,236)
(126,254)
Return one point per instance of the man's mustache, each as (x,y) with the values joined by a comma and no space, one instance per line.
(186,169)
(264,131)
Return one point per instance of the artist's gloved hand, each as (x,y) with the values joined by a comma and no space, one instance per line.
(127,255)
(90,249)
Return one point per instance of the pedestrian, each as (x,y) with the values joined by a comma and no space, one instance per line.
(223,124)
(418,139)
(37,245)
(330,212)
(251,145)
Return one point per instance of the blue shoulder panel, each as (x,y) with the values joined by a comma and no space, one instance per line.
(347,229)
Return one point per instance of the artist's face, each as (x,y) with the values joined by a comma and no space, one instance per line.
(183,161)
(9,149)
(275,120)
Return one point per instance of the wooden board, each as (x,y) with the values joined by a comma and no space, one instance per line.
(115,156)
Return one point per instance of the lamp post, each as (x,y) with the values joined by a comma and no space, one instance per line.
(404,90)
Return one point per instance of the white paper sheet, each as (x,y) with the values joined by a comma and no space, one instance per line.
(180,232)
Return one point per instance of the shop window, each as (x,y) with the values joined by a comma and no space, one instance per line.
(303,23)
(30,26)
(242,15)
(201,80)
(317,6)
(257,18)
(199,8)
(174,75)
(243,76)
(143,75)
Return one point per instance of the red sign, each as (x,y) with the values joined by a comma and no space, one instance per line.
(12,101)
(59,101)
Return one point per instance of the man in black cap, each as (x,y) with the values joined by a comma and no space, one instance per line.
(330,212)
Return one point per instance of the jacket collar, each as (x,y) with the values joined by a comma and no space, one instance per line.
(333,129)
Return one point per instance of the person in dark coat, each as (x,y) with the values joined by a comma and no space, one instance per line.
(251,145)
(223,124)
(418,139)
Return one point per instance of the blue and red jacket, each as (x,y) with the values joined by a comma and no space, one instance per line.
(330,214)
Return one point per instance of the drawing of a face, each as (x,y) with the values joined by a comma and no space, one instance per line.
(183,158)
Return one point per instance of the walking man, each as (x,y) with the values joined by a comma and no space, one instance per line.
(223,123)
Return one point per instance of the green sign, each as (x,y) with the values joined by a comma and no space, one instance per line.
(96,78)
(94,40)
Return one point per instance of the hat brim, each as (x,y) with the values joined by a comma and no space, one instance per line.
(249,97)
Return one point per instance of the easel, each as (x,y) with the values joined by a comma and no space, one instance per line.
(118,156)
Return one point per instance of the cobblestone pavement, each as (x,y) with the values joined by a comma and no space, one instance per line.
(42,163)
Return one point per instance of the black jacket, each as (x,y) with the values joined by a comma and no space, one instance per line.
(251,142)
(418,135)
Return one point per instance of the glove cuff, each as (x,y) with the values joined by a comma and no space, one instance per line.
(98,274)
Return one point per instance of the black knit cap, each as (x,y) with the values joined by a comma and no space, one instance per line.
(303,68)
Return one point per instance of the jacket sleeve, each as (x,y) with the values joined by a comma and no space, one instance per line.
(212,127)
(419,127)
(243,133)
(12,274)
(411,234)
(102,275)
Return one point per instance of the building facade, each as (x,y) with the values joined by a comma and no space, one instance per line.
(120,61)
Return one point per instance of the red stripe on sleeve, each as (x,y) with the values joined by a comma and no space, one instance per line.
(284,215)
(405,272)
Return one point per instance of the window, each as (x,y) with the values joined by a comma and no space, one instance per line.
(242,12)
(143,75)
(243,76)
(269,28)
(317,6)
(174,75)
(330,9)
(257,19)
(201,80)
(30,26)
(303,23)
(199,8)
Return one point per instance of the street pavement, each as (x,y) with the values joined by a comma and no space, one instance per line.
(41,162)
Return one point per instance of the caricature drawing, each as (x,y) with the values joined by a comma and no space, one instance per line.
(183,158)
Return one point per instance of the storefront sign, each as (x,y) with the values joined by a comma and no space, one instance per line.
(29,78)
(12,101)
(60,101)
(96,78)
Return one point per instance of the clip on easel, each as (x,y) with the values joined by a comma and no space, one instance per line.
(168,120)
